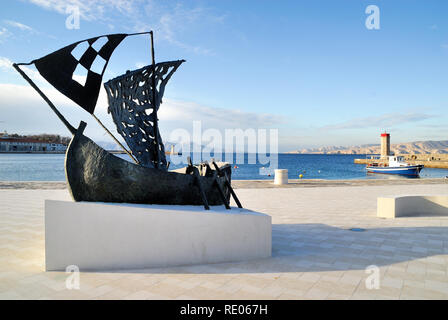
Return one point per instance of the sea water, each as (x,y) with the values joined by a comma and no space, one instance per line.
(50,167)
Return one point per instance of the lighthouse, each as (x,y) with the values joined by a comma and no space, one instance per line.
(385,145)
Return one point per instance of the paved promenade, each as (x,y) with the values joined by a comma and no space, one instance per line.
(315,255)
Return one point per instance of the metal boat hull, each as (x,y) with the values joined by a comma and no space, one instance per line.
(408,170)
(93,174)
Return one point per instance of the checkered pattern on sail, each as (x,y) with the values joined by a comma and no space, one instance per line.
(132,108)
(77,70)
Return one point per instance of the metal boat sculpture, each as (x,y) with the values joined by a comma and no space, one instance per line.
(395,165)
(92,173)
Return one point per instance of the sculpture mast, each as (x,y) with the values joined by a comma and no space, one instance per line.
(156,120)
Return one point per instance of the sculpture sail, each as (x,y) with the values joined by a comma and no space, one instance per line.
(132,108)
(59,67)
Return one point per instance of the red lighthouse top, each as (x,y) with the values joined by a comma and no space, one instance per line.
(384,134)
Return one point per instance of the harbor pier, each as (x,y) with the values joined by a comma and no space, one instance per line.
(434,160)
(439,161)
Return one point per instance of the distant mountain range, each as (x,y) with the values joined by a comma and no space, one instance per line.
(419,147)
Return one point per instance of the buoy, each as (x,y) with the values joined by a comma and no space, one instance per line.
(300,176)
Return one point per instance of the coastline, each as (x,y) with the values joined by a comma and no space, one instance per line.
(249,184)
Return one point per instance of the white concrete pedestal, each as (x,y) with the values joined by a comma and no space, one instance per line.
(393,207)
(281,176)
(104,236)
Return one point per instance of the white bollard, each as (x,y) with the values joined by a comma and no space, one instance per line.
(281,176)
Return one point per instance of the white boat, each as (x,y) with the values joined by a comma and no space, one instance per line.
(395,165)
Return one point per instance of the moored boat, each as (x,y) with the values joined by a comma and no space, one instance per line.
(395,165)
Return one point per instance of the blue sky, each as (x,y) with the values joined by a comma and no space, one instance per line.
(309,68)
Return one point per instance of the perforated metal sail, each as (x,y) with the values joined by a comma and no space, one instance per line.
(90,57)
(132,108)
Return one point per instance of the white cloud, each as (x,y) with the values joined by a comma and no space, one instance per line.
(20,26)
(164,19)
(90,10)
(169,26)
(184,113)
(24,111)
(170,20)
(5,63)
(4,33)
(6,66)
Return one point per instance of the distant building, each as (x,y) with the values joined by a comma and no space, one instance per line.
(8,144)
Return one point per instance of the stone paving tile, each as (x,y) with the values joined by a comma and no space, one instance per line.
(438,286)
(141,295)
(392,282)
(335,296)
(315,256)
(317,293)
(114,295)
(420,293)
